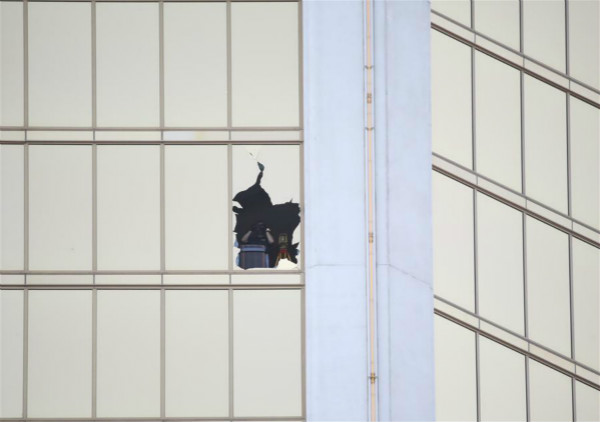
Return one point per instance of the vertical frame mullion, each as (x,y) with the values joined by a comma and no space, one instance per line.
(475,231)
(229,146)
(162,353)
(161,71)
(94,77)
(25,205)
(525,314)
(94,149)
(25,349)
(229,67)
(94,351)
(572,321)
(229,213)
(230,351)
(26,65)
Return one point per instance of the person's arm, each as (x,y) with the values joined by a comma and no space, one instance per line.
(270,236)
(246,236)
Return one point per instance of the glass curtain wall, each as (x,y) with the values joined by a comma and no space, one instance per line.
(126,130)
(516,185)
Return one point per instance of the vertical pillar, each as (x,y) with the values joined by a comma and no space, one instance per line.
(404,219)
(335,211)
(334,192)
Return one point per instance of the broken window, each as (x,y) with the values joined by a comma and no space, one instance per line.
(264,230)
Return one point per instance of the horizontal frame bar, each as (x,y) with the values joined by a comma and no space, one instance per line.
(527,353)
(517,66)
(151,286)
(518,207)
(506,47)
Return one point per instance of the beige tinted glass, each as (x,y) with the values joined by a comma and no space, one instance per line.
(585,162)
(586,303)
(498,121)
(549,394)
(502,383)
(60,207)
(548,286)
(500,263)
(11,57)
(11,207)
(128,368)
(11,353)
(128,207)
(267,353)
(498,19)
(584,41)
(455,379)
(197,353)
(587,404)
(264,54)
(60,354)
(195,64)
(451,99)
(453,251)
(459,10)
(60,64)
(544,32)
(197,207)
(545,143)
(127,64)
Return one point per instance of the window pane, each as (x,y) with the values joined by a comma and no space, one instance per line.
(267,353)
(544,32)
(588,403)
(11,353)
(197,207)
(195,64)
(197,353)
(585,162)
(11,207)
(549,394)
(128,353)
(453,266)
(60,64)
(60,207)
(498,122)
(586,303)
(459,10)
(264,49)
(451,99)
(455,386)
(60,354)
(499,19)
(548,286)
(502,383)
(545,143)
(127,64)
(128,207)
(11,57)
(280,212)
(584,41)
(500,263)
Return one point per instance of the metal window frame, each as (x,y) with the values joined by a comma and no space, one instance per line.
(229,143)
(471,178)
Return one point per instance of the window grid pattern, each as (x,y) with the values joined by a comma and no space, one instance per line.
(164,280)
(456,20)
(515,58)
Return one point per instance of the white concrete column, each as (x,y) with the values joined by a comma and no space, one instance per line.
(335,211)
(403,203)
(334,190)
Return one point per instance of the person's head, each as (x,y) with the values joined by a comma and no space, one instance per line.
(259,227)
